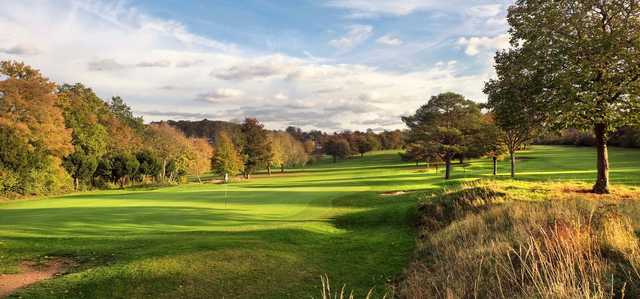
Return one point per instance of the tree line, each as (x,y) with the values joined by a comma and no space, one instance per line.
(57,138)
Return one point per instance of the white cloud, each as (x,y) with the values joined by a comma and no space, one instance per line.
(220,94)
(356,35)
(475,45)
(20,50)
(281,96)
(164,70)
(158,63)
(257,68)
(389,40)
(485,11)
(105,65)
(368,8)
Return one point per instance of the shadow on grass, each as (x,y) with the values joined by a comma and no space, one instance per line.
(275,262)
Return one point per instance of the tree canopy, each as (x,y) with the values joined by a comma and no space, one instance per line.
(583,56)
(443,127)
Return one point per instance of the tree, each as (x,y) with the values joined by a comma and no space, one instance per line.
(493,140)
(83,112)
(337,147)
(29,105)
(226,161)
(279,149)
(443,126)
(391,139)
(123,167)
(287,150)
(588,54)
(122,138)
(202,153)
(81,167)
(517,101)
(149,165)
(123,112)
(167,143)
(34,136)
(17,160)
(257,148)
(363,144)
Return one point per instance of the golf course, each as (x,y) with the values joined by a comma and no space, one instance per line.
(270,237)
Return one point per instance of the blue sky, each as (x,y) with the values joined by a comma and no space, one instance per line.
(326,64)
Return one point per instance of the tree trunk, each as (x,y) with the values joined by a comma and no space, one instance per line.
(334,159)
(282,168)
(199,180)
(461,159)
(269,170)
(164,170)
(75,184)
(495,165)
(361,155)
(513,163)
(602,181)
(447,172)
(417,163)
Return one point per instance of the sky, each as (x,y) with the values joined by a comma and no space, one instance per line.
(316,64)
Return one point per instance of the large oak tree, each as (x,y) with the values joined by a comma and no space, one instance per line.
(589,53)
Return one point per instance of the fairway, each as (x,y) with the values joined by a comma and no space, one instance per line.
(269,237)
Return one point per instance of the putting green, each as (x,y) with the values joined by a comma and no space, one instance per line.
(270,237)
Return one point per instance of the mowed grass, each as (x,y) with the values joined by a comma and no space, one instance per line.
(270,237)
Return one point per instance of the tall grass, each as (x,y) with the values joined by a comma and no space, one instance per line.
(341,293)
(482,242)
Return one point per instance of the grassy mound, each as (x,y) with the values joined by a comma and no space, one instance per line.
(526,240)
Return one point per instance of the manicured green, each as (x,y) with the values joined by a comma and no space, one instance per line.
(270,237)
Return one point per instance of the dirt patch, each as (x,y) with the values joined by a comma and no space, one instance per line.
(33,272)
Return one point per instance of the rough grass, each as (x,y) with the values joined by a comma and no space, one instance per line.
(509,239)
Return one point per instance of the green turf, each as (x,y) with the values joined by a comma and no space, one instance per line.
(270,237)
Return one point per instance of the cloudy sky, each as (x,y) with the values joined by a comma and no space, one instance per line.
(326,64)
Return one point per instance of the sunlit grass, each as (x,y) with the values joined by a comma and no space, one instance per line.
(270,237)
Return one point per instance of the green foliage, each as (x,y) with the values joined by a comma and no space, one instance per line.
(338,148)
(123,112)
(364,144)
(150,165)
(81,167)
(588,56)
(443,128)
(582,58)
(257,148)
(123,167)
